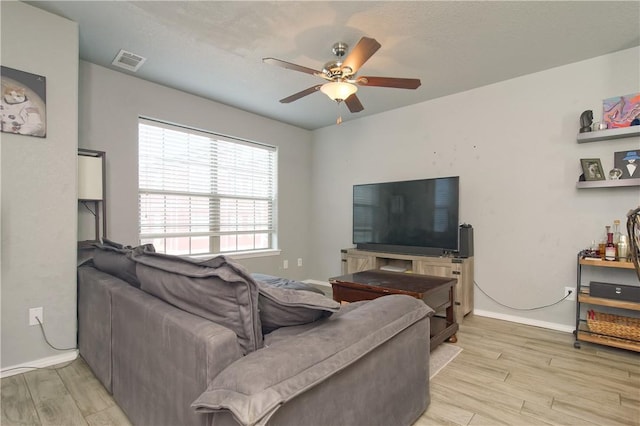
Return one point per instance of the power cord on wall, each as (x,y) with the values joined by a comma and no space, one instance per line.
(522,309)
(47,340)
(52,346)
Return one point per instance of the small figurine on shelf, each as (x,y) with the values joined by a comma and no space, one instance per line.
(614,174)
(586,118)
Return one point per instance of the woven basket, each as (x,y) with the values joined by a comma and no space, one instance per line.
(614,325)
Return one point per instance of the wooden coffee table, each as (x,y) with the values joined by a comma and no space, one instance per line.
(437,292)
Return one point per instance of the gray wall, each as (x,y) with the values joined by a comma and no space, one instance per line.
(110,103)
(39,190)
(513,144)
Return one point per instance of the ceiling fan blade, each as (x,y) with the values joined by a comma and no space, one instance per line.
(289,66)
(353,103)
(398,83)
(365,48)
(301,94)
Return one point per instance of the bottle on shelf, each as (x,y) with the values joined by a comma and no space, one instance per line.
(616,231)
(616,235)
(623,249)
(602,245)
(610,248)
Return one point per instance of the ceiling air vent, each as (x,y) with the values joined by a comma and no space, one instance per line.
(128,61)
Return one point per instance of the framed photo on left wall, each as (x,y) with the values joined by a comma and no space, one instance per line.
(23,107)
(592,169)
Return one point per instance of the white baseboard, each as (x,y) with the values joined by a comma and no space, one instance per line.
(39,363)
(526,321)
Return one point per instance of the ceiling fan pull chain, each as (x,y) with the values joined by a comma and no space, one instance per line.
(339,120)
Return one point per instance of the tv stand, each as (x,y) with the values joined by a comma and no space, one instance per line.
(355,260)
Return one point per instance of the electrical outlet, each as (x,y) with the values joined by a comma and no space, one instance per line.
(285,264)
(36,312)
(571,292)
(299,261)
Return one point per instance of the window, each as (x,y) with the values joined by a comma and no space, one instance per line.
(202,193)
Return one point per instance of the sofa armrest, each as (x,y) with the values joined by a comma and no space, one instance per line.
(164,357)
(256,386)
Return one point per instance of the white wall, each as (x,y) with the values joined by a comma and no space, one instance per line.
(513,144)
(39,191)
(110,103)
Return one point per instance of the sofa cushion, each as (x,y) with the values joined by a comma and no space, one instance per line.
(283,307)
(254,387)
(112,258)
(217,289)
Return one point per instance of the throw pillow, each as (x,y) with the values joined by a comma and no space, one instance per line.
(217,289)
(113,259)
(282,307)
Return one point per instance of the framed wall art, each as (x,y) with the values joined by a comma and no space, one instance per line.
(628,162)
(621,110)
(592,169)
(23,104)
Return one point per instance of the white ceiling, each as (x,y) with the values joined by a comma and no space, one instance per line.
(214,49)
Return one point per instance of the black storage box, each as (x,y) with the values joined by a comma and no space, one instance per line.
(629,293)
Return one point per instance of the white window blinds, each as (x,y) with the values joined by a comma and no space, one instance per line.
(202,193)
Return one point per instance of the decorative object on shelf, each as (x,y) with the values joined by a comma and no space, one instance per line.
(610,248)
(592,169)
(586,118)
(598,126)
(628,162)
(23,103)
(635,122)
(620,111)
(623,249)
(614,174)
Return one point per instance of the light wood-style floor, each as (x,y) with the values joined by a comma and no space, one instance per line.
(512,374)
(507,374)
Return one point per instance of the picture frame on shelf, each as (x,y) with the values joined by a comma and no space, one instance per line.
(620,111)
(628,162)
(592,169)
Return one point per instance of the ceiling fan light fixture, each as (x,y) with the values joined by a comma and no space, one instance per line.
(338,90)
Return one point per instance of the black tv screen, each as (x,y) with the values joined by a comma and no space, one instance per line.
(416,217)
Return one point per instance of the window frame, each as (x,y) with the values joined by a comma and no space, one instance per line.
(214,222)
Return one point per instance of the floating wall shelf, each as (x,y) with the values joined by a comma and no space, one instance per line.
(608,183)
(603,135)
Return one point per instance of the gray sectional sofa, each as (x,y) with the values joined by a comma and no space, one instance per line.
(182,342)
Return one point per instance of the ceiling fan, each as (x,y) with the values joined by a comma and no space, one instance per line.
(342,82)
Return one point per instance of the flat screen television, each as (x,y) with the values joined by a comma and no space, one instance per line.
(413,217)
